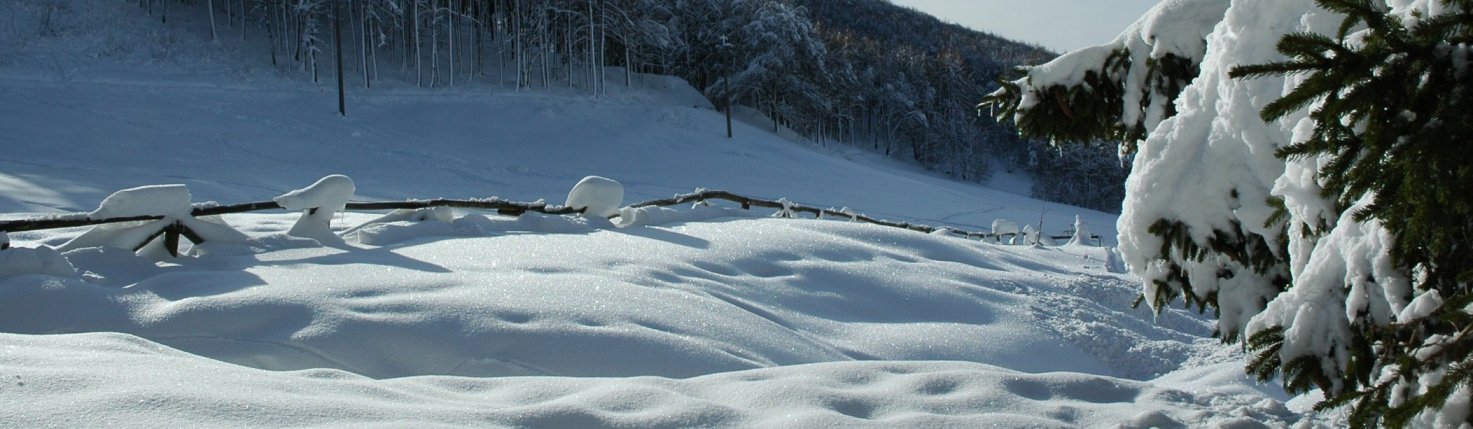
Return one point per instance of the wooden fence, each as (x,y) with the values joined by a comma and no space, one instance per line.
(172,232)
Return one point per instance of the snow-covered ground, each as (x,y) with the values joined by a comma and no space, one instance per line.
(707,316)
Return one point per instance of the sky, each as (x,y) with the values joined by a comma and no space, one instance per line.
(1059,25)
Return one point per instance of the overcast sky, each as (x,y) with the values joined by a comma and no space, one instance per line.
(1059,25)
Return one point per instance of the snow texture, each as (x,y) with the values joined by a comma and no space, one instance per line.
(41,260)
(318,204)
(707,317)
(597,196)
(1212,168)
(156,200)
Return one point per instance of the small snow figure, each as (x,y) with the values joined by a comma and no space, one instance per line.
(318,203)
(1001,227)
(1081,234)
(597,197)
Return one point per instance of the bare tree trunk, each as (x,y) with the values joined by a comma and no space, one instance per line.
(592,84)
(450,18)
(434,43)
(363,38)
(568,49)
(518,49)
(418,68)
(211,6)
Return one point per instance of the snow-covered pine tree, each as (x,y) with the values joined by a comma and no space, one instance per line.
(1311,188)
(1116,91)
(1390,95)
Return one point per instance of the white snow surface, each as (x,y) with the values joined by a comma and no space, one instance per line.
(171,200)
(709,316)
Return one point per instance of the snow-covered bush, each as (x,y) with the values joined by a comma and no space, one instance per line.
(1310,186)
(597,196)
(318,204)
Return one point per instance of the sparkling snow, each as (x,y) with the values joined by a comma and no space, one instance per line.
(709,316)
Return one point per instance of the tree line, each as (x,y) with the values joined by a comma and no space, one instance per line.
(857,72)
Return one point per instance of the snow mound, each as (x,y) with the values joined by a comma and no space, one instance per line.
(41,260)
(318,203)
(119,379)
(155,200)
(597,196)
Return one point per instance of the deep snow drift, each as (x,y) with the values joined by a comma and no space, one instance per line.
(704,316)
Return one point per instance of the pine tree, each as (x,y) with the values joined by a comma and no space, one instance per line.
(1378,113)
(1392,116)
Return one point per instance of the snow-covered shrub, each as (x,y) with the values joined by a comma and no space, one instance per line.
(597,197)
(1312,191)
(318,204)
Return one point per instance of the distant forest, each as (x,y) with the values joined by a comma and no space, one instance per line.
(857,72)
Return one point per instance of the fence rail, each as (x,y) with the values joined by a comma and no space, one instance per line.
(173,231)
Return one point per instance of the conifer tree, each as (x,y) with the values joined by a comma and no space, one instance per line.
(1359,284)
(1392,118)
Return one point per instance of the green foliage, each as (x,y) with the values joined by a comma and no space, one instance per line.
(1093,110)
(1392,114)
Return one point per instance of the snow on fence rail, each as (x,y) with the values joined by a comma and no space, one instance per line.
(331,194)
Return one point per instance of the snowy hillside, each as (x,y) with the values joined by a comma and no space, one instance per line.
(699,317)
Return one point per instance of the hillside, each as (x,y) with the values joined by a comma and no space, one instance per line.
(697,316)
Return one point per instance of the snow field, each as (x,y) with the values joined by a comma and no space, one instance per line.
(702,317)
(728,321)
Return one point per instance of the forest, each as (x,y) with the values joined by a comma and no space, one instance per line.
(863,73)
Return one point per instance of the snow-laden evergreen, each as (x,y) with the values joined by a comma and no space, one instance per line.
(1302,186)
